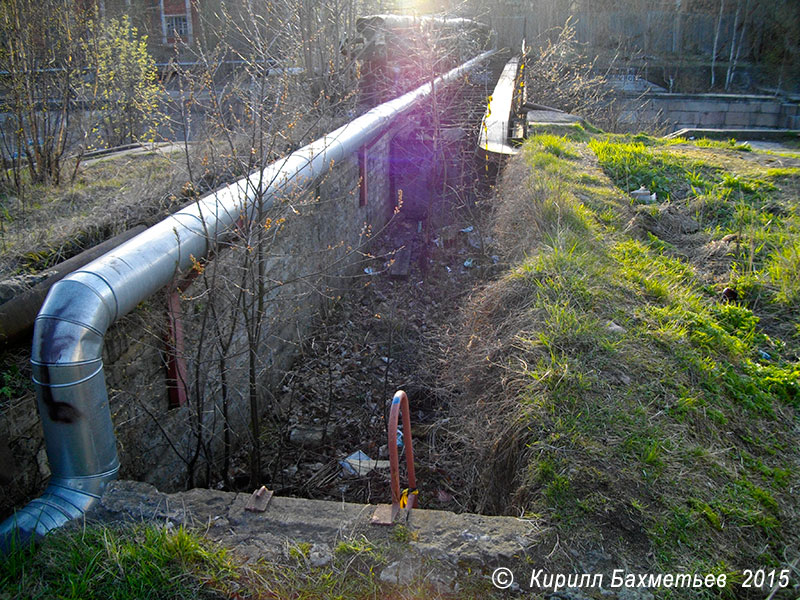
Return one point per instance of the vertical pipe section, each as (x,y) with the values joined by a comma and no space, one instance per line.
(68,333)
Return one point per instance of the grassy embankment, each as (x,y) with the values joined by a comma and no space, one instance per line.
(47,224)
(620,400)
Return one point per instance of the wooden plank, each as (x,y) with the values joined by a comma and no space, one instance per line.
(402,263)
(259,500)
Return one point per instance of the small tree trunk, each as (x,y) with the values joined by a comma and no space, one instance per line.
(729,72)
(716,42)
(676,31)
(741,40)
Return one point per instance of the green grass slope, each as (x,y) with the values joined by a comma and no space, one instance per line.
(608,391)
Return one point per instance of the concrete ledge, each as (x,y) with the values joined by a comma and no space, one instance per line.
(493,134)
(438,535)
(437,548)
(744,134)
(714,97)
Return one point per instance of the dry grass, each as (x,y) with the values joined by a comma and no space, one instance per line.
(111,194)
(48,225)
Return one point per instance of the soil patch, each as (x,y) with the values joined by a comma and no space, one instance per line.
(388,333)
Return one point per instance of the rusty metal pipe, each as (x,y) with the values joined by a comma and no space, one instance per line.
(18,314)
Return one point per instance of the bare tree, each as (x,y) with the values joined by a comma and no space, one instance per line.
(244,104)
(737,46)
(39,52)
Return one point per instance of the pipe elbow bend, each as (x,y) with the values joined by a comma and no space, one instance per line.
(64,499)
(73,405)
(73,319)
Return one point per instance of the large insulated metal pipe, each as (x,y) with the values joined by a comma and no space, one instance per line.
(68,333)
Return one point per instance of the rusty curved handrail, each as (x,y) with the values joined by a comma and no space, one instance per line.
(400,402)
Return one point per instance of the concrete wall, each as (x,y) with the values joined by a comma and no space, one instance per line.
(678,111)
(311,258)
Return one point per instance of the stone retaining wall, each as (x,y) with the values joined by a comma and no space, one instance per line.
(679,111)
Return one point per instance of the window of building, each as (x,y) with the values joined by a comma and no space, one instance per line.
(177,26)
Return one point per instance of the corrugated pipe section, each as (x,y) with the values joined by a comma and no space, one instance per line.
(68,334)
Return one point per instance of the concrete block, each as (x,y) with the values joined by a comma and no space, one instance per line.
(703,105)
(771,108)
(790,122)
(711,119)
(679,115)
(737,119)
(685,118)
(765,120)
(709,106)
(669,106)
(790,109)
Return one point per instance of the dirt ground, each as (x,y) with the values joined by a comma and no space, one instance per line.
(389,333)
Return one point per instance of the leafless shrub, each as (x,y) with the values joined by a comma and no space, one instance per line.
(558,74)
(245,105)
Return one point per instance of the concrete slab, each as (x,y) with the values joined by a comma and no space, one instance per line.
(771,108)
(765,120)
(471,538)
(551,117)
(790,109)
(738,119)
(438,535)
(738,133)
(551,121)
(709,119)
(771,146)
